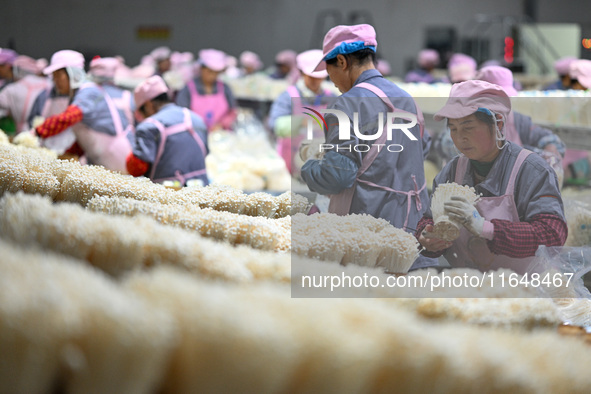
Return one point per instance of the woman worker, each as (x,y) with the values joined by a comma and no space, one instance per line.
(102,131)
(18,97)
(307,92)
(207,96)
(386,183)
(520,208)
(171,143)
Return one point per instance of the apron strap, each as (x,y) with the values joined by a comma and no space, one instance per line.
(516,167)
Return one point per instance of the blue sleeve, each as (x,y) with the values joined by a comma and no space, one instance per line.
(37,107)
(229,96)
(87,99)
(183,97)
(427,141)
(200,129)
(330,175)
(147,139)
(280,107)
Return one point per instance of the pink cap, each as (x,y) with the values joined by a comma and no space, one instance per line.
(41,64)
(581,71)
(307,62)
(251,60)
(461,67)
(213,59)
(177,58)
(499,76)
(104,67)
(562,65)
(148,89)
(26,63)
(428,58)
(7,56)
(287,57)
(343,34)
(160,53)
(65,58)
(383,67)
(466,97)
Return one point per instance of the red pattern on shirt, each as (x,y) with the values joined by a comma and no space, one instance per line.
(516,239)
(57,123)
(136,166)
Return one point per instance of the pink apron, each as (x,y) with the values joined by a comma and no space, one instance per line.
(288,147)
(166,132)
(472,251)
(63,141)
(33,88)
(104,149)
(124,104)
(341,203)
(211,107)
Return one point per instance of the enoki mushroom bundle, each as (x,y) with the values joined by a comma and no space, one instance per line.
(444,227)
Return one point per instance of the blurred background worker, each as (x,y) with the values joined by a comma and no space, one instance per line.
(427,60)
(287,111)
(208,96)
(519,128)
(461,67)
(161,58)
(171,142)
(577,162)
(285,66)
(7,58)
(102,131)
(18,97)
(521,206)
(102,71)
(250,63)
(378,182)
(562,68)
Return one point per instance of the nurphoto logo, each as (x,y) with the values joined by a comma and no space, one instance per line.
(344,123)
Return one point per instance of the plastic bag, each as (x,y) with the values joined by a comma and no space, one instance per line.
(561,271)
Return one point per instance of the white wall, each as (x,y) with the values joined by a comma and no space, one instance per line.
(40,27)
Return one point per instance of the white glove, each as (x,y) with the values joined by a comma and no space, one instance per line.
(310,149)
(460,210)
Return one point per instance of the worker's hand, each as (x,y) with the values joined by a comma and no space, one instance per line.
(460,210)
(310,149)
(431,243)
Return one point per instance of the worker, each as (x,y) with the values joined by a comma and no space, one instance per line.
(520,207)
(285,66)
(427,60)
(520,128)
(171,141)
(207,96)
(577,163)
(102,71)
(383,66)
(56,98)
(359,176)
(103,133)
(250,63)
(7,58)
(161,58)
(18,97)
(307,92)
(562,66)
(461,67)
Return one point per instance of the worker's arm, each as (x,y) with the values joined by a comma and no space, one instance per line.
(60,122)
